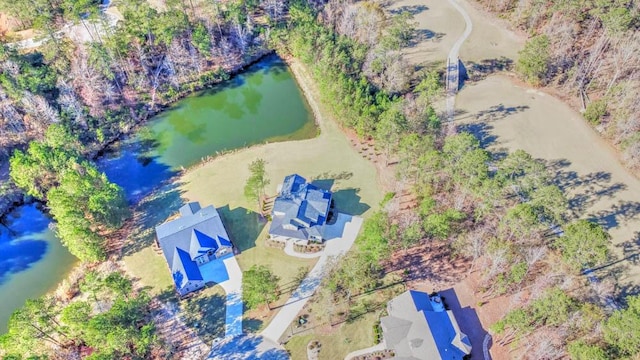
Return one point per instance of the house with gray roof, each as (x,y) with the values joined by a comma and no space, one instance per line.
(190,241)
(300,211)
(419,328)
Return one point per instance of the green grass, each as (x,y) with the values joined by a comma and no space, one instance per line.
(350,335)
(151,269)
(345,339)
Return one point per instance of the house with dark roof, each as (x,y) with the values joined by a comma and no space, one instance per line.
(190,241)
(300,211)
(419,327)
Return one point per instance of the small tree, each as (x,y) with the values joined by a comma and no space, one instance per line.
(584,244)
(257,181)
(622,329)
(533,63)
(259,286)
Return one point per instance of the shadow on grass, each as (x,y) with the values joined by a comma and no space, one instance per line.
(247,347)
(499,112)
(251,325)
(206,315)
(482,132)
(151,212)
(348,202)
(593,187)
(243,225)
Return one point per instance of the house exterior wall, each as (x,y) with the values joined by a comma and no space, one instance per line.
(221,252)
(191,286)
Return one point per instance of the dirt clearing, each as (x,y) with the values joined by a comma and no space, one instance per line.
(439,26)
(505,115)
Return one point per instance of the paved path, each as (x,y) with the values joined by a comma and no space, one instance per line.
(379,347)
(288,312)
(453,68)
(233,288)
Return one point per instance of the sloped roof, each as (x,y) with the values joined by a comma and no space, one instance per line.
(193,234)
(184,269)
(301,205)
(418,328)
(201,244)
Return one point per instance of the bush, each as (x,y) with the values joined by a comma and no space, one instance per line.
(595,111)
(533,63)
(377,332)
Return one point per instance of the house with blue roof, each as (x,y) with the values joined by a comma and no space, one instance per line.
(419,327)
(190,241)
(300,211)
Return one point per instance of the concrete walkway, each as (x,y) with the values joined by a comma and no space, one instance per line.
(453,68)
(379,347)
(233,288)
(293,306)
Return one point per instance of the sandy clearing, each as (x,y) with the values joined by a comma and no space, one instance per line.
(506,115)
(439,26)
(490,38)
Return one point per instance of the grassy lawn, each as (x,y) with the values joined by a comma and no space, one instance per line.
(343,340)
(150,268)
(348,335)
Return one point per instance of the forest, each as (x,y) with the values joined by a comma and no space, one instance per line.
(66,101)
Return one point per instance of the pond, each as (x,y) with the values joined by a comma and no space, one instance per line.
(263,104)
(32,259)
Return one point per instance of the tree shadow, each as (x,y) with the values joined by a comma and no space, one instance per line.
(631,249)
(590,188)
(480,70)
(347,201)
(499,112)
(482,132)
(468,321)
(206,315)
(131,165)
(151,212)
(22,242)
(243,226)
(247,347)
(251,325)
(411,9)
(618,214)
(422,35)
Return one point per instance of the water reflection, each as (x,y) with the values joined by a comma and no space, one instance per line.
(20,246)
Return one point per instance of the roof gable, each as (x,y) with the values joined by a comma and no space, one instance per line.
(201,243)
(184,269)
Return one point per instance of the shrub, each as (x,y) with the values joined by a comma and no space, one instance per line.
(595,111)
(533,63)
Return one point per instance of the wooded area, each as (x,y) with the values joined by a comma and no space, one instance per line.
(492,209)
(589,50)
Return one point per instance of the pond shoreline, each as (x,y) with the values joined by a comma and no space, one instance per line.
(17,198)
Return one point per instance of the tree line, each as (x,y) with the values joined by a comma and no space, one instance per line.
(107,320)
(589,49)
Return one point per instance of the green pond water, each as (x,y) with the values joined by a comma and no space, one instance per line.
(263,104)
